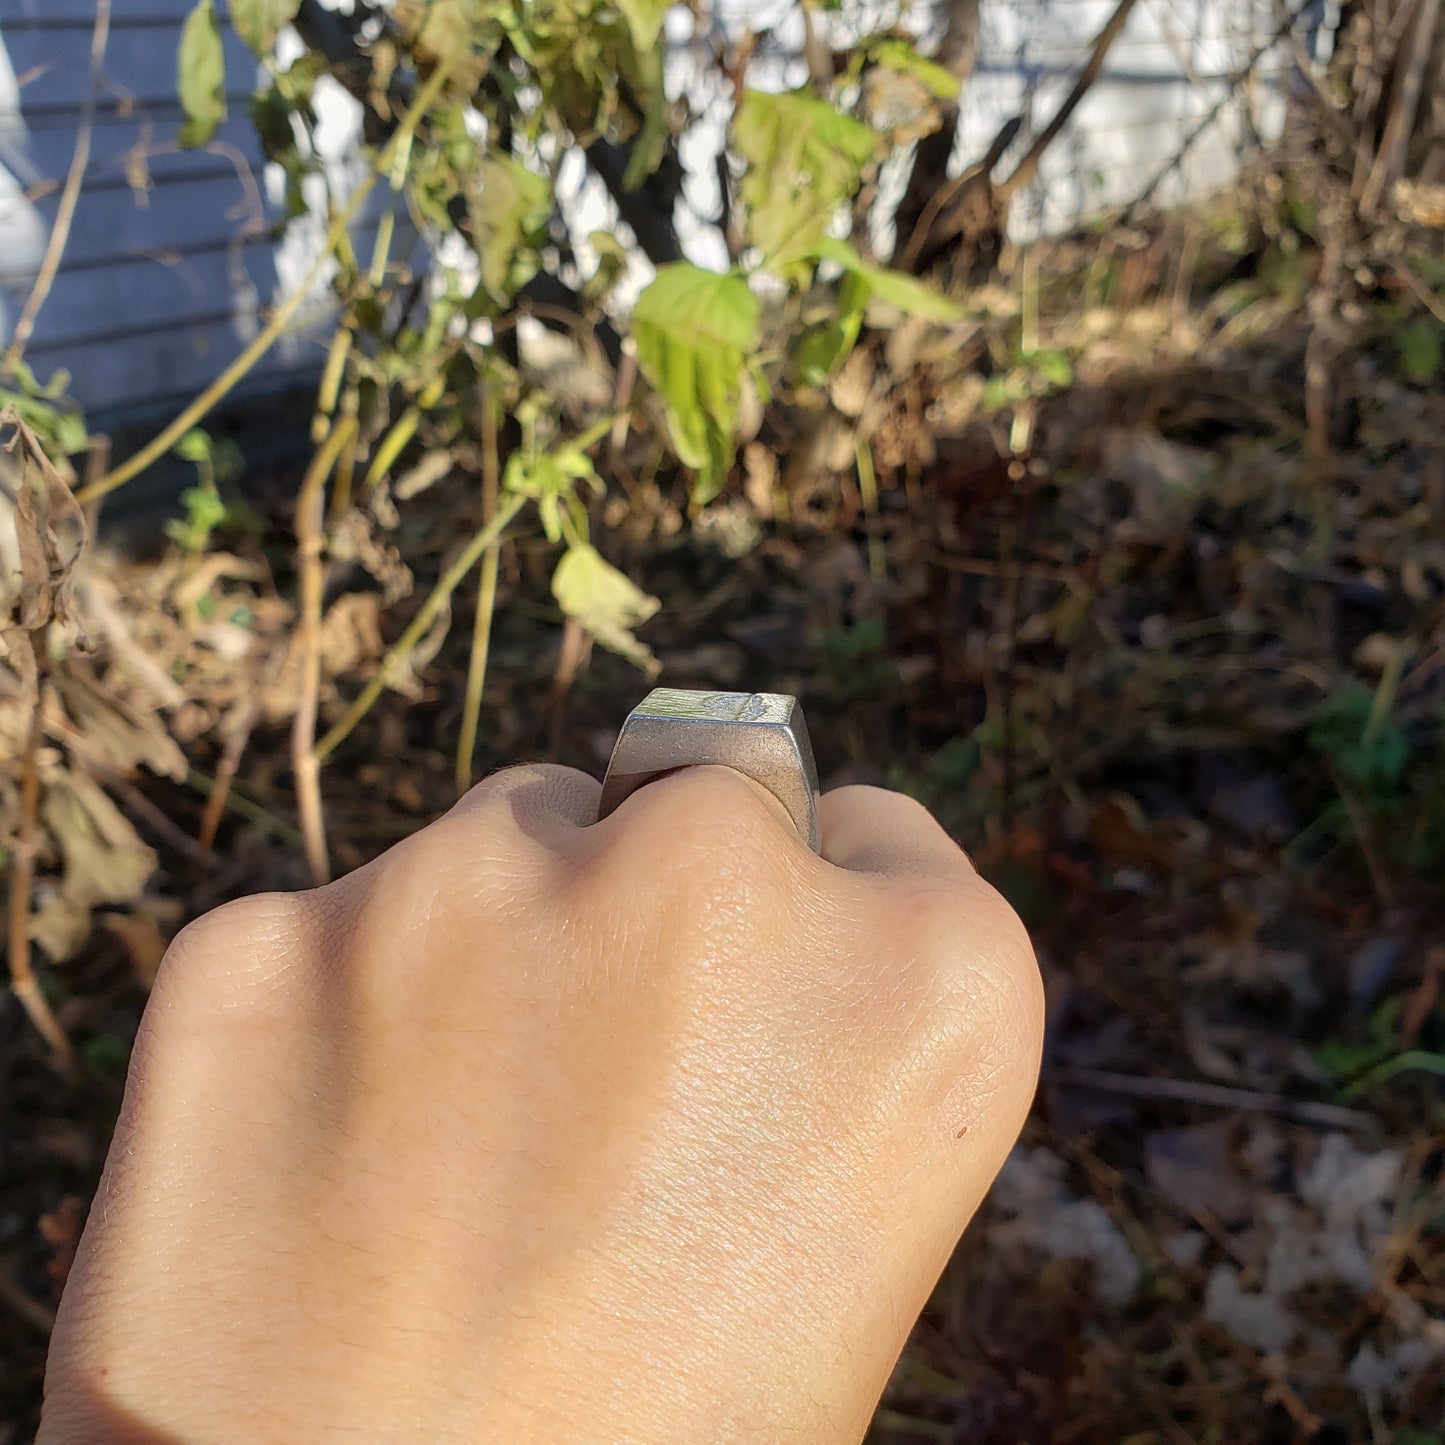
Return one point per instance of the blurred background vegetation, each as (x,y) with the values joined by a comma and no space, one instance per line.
(1123,549)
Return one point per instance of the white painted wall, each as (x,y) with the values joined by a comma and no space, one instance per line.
(171,258)
(1169,76)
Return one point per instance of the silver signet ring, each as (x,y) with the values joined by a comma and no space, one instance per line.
(760,734)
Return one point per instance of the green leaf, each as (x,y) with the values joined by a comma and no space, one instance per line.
(1054,366)
(819,351)
(1008,388)
(45,409)
(900,56)
(1418,1061)
(201,75)
(694,330)
(195,446)
(804,158)
(257,21)
(650,145)
(1422,348)
(437,28)
(606,602)
(1374,761)
(893,287)
(508,221)
(644,20)
(68,428)
(550,479)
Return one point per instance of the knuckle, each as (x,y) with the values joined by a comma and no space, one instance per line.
(986,980)
(532,799)
(705,836)
(495,794)
(238,955)
(462,856)
(711,805)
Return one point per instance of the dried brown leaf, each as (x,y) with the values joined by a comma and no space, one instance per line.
(117,734)
(50,532)
(141,937)
(105,860)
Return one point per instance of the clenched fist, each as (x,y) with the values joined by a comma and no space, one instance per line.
(537,1129)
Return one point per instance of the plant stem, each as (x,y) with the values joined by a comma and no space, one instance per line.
(246,808)
(346,462)
(309,512)
(331,373)
(868,491)
(440,595)
(486,601)
(239,736)
(280,318)
(1385,694)
(30,656)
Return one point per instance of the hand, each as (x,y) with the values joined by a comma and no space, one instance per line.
(660,1129)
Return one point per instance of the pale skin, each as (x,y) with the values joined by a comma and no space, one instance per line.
(655,1130)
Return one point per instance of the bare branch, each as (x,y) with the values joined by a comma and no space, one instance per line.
(1028,167)
(1390,161)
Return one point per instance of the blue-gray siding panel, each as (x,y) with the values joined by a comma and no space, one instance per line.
(84,10)
(131,145)
(170,261)
(53,65)
(158,371)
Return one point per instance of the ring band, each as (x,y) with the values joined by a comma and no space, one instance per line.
(760,734)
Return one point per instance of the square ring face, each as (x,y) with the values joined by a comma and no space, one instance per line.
(761,735)
(727,707)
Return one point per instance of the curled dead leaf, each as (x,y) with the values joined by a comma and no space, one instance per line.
(60,1229)
(105,860)
(45,532)
(141,937)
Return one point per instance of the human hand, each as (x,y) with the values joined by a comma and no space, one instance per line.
(660,1129)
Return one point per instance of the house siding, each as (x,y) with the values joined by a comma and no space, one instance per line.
(172,255)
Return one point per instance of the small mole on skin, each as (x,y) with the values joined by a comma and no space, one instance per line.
(961,1132)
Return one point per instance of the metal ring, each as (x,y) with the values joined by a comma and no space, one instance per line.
(760,734)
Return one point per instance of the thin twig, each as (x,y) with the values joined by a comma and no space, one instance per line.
(906,256)
(310,509)
(1419,290)
(1213,1096)
(1322,309)
(1365,837)
(246,808)
(142,807)
(102,604)
(868,493)
(486,600)
(69,197)
(30,659)
(1026,169)
(401,649)
(1390,159)
(1232,83)
(38,1316)
(238,729)
(281,317)
(571,656)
